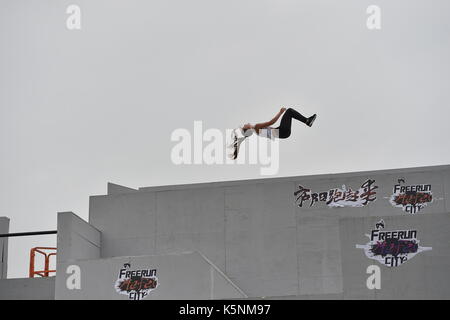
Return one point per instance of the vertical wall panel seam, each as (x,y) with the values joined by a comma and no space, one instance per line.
(156,223)
(225,231)
(2,261)
(341,275)
(297,249)
(212,282)
(444,187)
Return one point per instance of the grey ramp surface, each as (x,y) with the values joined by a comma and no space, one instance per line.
(187,275)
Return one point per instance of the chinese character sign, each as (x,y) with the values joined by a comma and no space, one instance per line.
(338,197)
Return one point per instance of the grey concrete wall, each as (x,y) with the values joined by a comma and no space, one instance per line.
(269,246)
(129,227)
(4,228)
(27,289)
(185,275)
(424,276)
(76,239)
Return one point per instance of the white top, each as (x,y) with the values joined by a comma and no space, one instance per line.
(269,133)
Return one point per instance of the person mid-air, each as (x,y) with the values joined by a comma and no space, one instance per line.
(264,129)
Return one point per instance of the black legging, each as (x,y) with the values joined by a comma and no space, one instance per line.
(286,122)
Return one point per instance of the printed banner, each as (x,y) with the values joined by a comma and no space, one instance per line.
(337,197)
(136,284)
(392,248)
(411,198)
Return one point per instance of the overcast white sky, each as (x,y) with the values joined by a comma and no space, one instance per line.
(81,108)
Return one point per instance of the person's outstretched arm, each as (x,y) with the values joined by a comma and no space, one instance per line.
(263,125)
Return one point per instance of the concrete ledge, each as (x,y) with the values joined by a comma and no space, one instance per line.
(114,189)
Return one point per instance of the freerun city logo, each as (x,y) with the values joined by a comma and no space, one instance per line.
(392,248)
(136,284)
(411,198)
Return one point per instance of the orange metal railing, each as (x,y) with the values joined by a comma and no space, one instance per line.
(47,255)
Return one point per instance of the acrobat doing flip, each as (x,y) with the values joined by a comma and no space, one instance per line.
(264,129)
